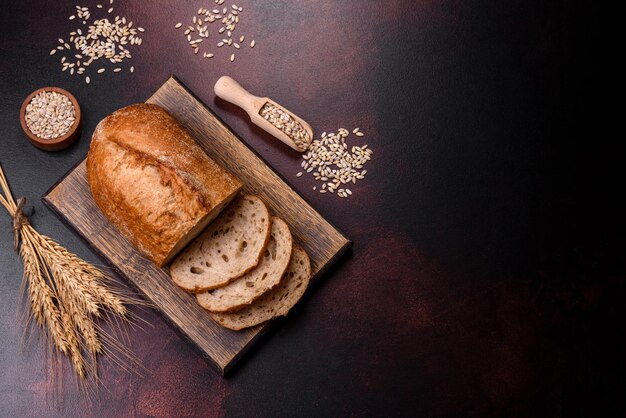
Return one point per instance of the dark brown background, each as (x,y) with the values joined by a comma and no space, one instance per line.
(487,274)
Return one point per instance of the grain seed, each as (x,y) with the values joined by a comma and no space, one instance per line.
(104,39)
(282,120)
(334,164)
(229,18)
(49,115)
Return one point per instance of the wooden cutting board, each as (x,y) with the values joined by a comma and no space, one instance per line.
(71,199)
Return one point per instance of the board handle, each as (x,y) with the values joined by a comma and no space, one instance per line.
(228,89)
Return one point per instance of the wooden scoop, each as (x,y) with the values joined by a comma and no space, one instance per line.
(267,114)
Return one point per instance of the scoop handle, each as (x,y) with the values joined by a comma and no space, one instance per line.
(231,91)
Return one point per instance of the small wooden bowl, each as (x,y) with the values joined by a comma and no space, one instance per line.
(53,144)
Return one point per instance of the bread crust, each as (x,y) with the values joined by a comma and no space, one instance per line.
(152,180)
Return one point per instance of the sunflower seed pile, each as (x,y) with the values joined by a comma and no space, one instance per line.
(286,123)
(331,163)
(50,115)
(101,39)
(198,31)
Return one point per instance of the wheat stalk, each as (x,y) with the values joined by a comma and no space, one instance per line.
(42,298)
(89,276)
(67,295)
(73,344)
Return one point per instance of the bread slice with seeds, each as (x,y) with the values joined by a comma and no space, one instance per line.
(242,291)
(230,247)
(276,302)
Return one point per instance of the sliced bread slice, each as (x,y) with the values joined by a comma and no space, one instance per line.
(276,302)
(231,246)
(265,276)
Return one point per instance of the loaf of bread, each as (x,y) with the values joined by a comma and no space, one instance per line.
(153,182)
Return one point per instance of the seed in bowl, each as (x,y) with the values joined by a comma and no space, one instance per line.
(50,115)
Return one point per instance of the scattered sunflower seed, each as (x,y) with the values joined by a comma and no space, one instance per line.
(229,19)
(334,165)
(105,39)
